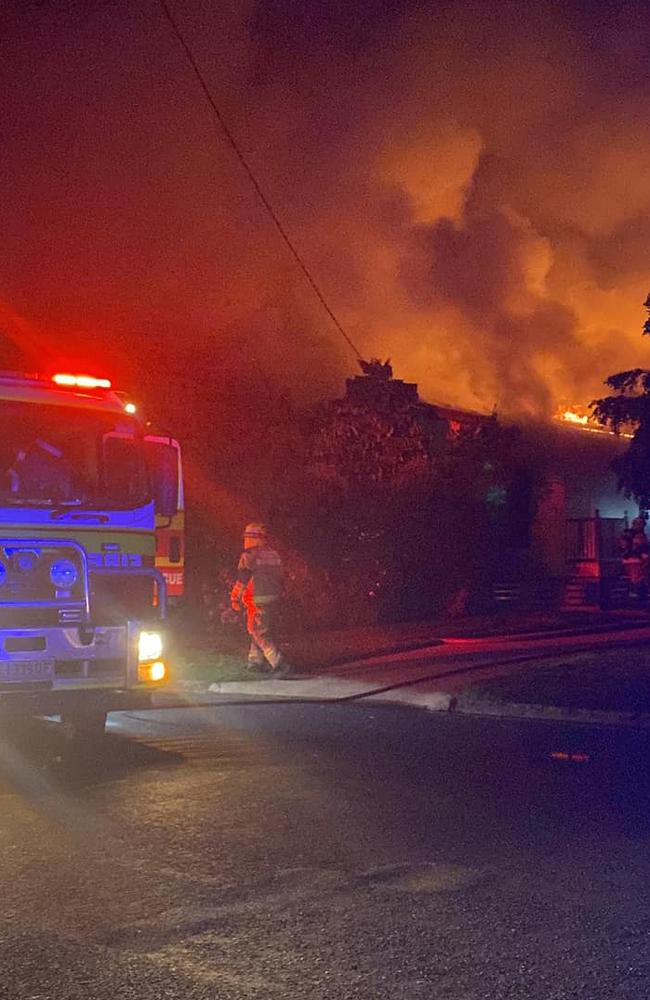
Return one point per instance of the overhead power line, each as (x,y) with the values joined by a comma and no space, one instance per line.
(251,176)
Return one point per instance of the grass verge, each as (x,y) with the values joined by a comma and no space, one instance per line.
(209,666)
(611,680)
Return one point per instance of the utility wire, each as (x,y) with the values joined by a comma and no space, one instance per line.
(251,176)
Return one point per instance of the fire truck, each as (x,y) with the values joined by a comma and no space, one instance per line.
(82,603)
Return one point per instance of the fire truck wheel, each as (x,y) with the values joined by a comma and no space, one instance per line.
(83,724)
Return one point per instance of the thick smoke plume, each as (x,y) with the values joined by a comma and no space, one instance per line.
(467,181)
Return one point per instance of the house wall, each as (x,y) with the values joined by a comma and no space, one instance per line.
(571,474)
(574,480)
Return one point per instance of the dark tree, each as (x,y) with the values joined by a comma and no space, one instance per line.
(407,514)
(629,409)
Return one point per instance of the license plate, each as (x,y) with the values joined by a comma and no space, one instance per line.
(15,671)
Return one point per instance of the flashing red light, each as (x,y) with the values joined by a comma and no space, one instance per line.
(81,381)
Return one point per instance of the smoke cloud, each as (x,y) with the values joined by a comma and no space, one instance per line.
(468,183)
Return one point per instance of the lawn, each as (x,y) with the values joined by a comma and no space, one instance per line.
(209,666)
(615,680)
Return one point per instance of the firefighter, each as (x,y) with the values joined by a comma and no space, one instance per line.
(636,558)
(258,588)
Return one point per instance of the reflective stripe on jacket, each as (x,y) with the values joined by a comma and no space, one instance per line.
(259,576)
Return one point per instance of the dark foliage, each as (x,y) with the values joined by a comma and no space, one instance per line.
(380,513)
(629,409)
(397,518)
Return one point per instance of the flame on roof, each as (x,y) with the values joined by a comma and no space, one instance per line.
(586,423)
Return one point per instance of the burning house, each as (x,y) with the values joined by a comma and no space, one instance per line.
(565,511)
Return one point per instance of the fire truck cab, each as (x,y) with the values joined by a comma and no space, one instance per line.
(82,604)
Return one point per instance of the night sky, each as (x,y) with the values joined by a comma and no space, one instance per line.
(469,183)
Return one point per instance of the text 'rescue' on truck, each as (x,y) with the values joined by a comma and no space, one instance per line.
(82,604)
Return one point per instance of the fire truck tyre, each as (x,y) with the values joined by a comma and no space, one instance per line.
(83,724)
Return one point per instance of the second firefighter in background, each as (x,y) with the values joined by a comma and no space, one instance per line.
(258,589)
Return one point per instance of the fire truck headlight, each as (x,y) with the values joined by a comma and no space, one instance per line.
(63,574)
(150,646)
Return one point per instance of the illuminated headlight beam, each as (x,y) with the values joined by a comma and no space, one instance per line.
(150,646)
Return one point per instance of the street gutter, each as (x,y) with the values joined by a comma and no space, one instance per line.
(553,713)
(335,692)
(432,701)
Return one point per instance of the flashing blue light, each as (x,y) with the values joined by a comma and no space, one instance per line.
(3,573)
(63,574)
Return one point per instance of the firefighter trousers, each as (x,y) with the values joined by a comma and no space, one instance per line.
(260,620)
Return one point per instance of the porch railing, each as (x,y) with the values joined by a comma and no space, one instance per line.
(594,539)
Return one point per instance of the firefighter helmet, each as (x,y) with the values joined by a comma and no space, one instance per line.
(255,530)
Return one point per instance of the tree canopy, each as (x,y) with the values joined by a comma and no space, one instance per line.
(628,408)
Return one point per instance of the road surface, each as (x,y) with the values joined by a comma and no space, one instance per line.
(325,852)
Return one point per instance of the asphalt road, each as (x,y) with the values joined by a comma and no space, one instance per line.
(325,852)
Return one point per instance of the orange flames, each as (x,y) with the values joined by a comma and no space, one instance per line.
(571,417)
(585,422)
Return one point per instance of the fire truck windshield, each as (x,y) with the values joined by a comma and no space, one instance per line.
(67,456)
